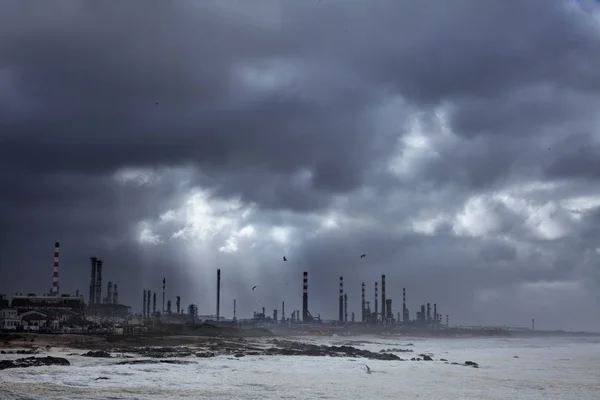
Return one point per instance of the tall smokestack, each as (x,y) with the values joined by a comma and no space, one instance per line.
(154,304)
(283,311)
(383,303)
(447,321)
(99,281)
(178,303)
(234,307)
(169,307)
(376,295)
(345,307)
(115,298)
(305,297)
(218,292)
(435,314)
(363,303)
(55,286)
(341,300)
(109,292)
(148,303)
(144,307)
(163,306)
(93,280)
(404,317)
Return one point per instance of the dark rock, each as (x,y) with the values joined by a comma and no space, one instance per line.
(455,363)
(205,354)
(426,357)
(253,353)
(101,377)
(443,359)
(470,363)
(238,355)
(134,362)
(33,362)
(97,354)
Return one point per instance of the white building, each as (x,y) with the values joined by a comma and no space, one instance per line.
(37,320)
(9,319)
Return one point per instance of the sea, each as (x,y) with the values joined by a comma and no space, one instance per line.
(561,368)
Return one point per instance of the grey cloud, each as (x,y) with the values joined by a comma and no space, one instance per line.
(277,104)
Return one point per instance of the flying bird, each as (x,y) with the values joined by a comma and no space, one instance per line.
(254,287)
(363,255)
(368,369)
(284,259)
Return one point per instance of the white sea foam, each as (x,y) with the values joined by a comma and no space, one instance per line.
(548,368)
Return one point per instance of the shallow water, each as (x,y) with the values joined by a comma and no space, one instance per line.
(547,368)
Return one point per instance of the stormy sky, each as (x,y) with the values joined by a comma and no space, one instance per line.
(456,143)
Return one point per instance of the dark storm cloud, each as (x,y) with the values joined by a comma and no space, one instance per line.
(278,104)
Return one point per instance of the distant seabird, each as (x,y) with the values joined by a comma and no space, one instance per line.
(368,369)
(284,259)
(254,287)
(363,255)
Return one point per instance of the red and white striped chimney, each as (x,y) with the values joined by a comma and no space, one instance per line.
(55,286)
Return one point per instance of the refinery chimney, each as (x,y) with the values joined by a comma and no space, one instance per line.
(435,314)
(404,316)
(93,280)
(115,298)
(283,311)
(363,303)
(341,300)
(109,287)
(218,292)
(178,303)
(383,303)
(376,295)
(148,303)
(305,297)
(99,281)
(55,286)
(145,303)
(345,307)
(154,304)
(163,304)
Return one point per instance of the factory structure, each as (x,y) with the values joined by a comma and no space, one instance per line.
(56,310)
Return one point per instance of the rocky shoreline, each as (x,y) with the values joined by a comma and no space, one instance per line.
(233,348)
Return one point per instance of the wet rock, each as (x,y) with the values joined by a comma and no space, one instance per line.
(238,355)
(33,362)
(396,350)
(97,354)
(426,357)
(135,362)
(253,353)
(443,359)
(101,377)
(472,363)
(303,349)
(205,354)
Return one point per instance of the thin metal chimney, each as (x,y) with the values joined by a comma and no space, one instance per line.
(383,303)
(363,303)
(404,316)
(108,292)
(148,303)
(178,303)
(218,293)
(283,311)
(115,298)
(345,307)
(341,300)
(376,295)
(305,297)
(93,281)
(144,307)
(435,314)
(234,307)
(55,286)
(428,313)
(163,305)
(99,281)
(154,304)
(169,307)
